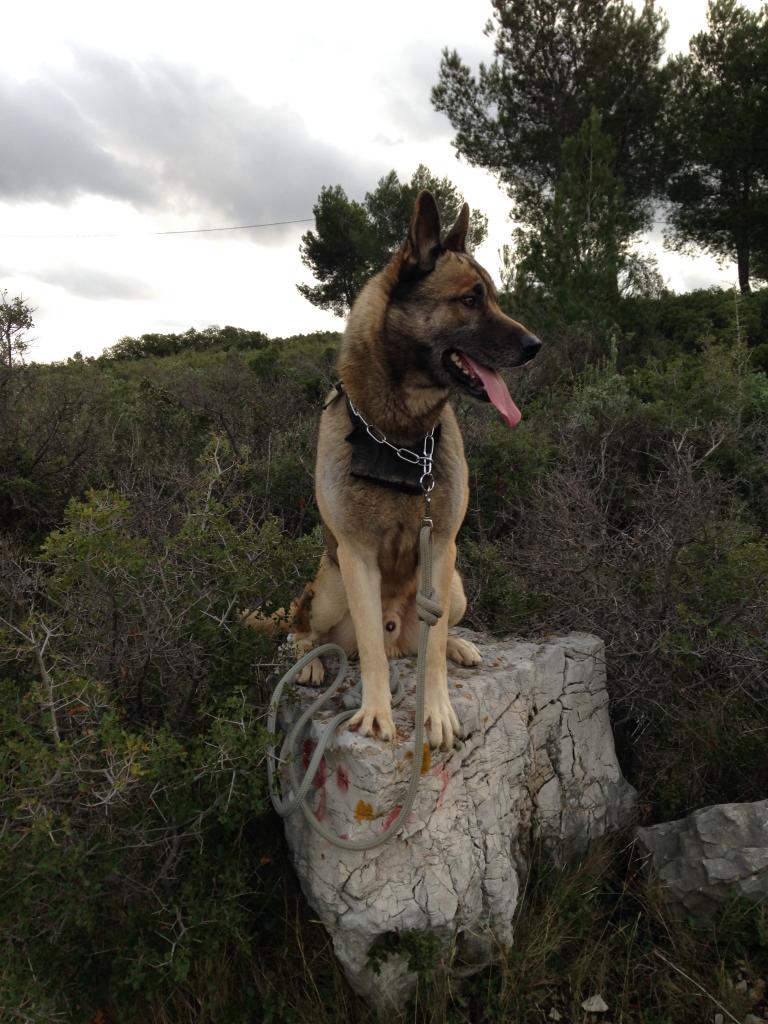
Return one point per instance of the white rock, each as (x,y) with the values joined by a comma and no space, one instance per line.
(706,858)
(537,763)
(595,1004)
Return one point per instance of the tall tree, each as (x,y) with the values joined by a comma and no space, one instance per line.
(575,251)
(718,132)
(339,252)
(15,320)
(573,259)
(353,240)
(554,61)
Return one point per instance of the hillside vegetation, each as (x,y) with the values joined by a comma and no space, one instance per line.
(148,495)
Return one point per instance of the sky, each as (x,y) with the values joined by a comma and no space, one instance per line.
(121,122)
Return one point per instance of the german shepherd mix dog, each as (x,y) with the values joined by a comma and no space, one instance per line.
(427,323)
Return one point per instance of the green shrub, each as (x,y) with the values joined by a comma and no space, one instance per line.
(133,767)
(145,501)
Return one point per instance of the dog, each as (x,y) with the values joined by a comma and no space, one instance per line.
(425,325)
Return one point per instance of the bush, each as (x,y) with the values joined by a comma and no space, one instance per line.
(133,768)
(144,501)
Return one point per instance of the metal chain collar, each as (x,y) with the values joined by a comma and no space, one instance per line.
(427,479)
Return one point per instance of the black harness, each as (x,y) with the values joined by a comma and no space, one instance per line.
(377,460)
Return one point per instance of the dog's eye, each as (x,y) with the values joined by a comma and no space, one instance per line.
(469,300)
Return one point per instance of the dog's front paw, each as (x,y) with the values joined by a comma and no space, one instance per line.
(373,721)
(441,722)
(462,651)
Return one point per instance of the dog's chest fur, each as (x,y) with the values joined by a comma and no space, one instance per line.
(380,519)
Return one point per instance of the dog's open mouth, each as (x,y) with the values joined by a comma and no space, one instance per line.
(483,383)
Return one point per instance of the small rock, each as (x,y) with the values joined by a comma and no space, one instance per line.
(741,986)
(718,1019)
(595,1004)
(554,1014)
(712,855)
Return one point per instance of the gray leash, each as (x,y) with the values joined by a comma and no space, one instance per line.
(429,611)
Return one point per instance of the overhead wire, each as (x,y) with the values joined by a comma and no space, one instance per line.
(151,234)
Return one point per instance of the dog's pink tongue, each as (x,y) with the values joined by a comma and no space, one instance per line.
(496,390)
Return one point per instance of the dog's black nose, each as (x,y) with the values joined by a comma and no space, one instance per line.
(530,345)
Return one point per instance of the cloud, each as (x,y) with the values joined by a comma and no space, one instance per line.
(408,98)
(53,155)
(163,137)
(96,284)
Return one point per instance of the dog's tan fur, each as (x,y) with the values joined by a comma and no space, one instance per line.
(363,594)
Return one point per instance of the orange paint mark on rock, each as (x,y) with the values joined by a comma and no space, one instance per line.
(364,811)
(426,758)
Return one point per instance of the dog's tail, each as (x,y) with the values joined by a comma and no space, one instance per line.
(279,623)
(282,622)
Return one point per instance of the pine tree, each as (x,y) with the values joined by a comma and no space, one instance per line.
(16,318)
(716,128)
(554,61)
(576,249)
(353,240)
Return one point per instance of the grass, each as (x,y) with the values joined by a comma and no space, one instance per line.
(597,928)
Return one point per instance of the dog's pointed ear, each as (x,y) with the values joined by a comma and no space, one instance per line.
(422,246)
(456,240)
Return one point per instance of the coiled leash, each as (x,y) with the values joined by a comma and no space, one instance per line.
(429,611)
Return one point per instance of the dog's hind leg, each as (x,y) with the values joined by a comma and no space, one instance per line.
(463,652)
(320,609)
